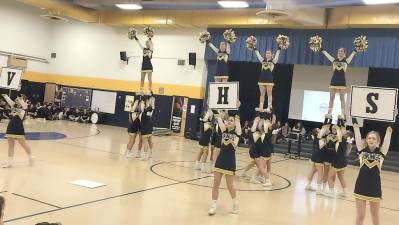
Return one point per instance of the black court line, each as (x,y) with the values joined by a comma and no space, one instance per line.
(102,199)
(35,200)
(199,185)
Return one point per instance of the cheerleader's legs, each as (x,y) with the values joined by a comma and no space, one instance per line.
(247,168)
(130,144)
(217,178)
(310,178)
(269,90)
(262,91)
(145,155)
(143,74)
(331,102)
(360,211)
(375,212)
(342,98)
(325,176)
(11,151)
(331,181)
(232,190)
(149,77)
(341,178)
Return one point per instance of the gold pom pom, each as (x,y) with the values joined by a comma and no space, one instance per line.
(204,37)
(149,32)
(131,34)
(251,42)
(229,36)
(361,43)
(315,43)
(283,41)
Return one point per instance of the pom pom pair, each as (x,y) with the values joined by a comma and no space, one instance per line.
(148,31)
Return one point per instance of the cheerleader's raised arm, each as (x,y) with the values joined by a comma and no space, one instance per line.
(387,141)
(276,55)
(213,47)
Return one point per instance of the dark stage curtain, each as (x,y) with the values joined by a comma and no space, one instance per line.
(381,77)
(247,73)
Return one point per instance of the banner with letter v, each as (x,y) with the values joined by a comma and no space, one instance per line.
(10,78)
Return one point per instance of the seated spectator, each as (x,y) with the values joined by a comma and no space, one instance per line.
(284,131)
(44,112)
(84,116)
(298,128)
(245,133)
(32,110)
(73,115)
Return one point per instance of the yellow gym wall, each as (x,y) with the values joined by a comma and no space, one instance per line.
(113,85)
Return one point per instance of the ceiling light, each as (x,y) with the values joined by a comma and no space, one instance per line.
(233,4)
(379,2)
(129,6)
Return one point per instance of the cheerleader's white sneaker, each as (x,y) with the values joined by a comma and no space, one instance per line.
(138,154)
(197,165)
(236,208)
(31,161)
(7,164)
(267,183)
(254,180)
(212,209)
(309,188)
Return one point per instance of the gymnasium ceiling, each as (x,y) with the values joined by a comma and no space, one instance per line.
(207,13)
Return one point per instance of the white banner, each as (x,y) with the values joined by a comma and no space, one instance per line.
(373,103)
(10,78)
(223,95)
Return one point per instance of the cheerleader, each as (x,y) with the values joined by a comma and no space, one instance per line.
(317,158)
(15,129)
(216,140)
(222,70)
(268,147)
(226,162)
(146,126)
(266,82)
(368,182)
(328,155)
(338,80)
(134,126)
(146,66)
(206,132)
(339,162)
(259,151)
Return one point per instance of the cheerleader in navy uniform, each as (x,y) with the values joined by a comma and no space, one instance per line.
(146,66)
(146,126)
(368,182)
(317,158)
(258,130)
(328,155)
(134,126)
(216,140)
(226,161)
(223,52)
(266,81)
(15,129)
(338,80)
(339,162)
(205,138)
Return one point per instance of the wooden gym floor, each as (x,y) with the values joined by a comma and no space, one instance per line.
(163,191)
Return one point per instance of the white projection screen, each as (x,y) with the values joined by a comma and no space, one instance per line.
(310,94)
(104,101)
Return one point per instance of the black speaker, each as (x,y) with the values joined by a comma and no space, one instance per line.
(192,59)
(123,56)
(53,55)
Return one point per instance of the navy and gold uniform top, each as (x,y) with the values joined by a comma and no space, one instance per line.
(226,161)
(266,74)
(368,183)
(258,137)
(222,70)
(330,148)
